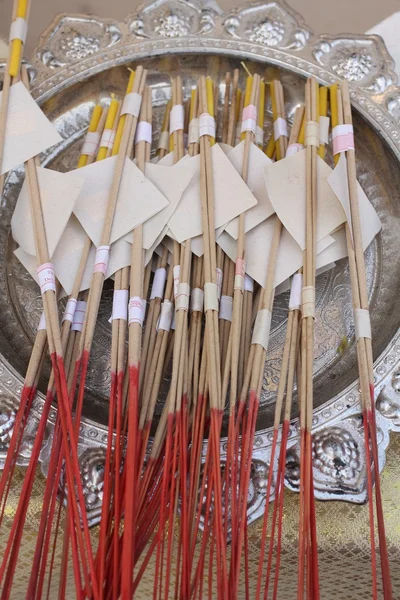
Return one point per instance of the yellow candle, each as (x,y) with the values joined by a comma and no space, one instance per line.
(323,109)
(94,122)
(121,122)
(238,102)
(273,101)
(334,112)
(302,130)
(16,45)
(22,9)
(193,100)
(270,149)
(261,106)
(210,101)
(111,115)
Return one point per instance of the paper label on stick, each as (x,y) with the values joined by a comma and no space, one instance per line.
(28,130)
(163,143)
(143,132)
(70,310)
(160,277)
(225,308)
(18,30)
(91,143)
(138,199)
(197,300)
(46,277)
(176,118)
(79,316)
(370,222)
(286,185)
(131,104)
(42,322)
(231,197)
(166,315)
(256,184)
(101,260)
(58,193)
(136,310)
(120,305)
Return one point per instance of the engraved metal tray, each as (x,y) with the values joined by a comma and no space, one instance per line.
(80,59)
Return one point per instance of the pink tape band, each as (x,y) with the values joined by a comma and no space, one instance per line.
(342,138)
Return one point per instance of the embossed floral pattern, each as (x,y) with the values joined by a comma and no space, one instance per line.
(336,453)
(171,25)
(8,411)
(79,46)
(352,65)
(268,32)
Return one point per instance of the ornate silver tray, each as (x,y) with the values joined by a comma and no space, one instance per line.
(78,60)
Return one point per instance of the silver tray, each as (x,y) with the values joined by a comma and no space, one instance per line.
(78,60)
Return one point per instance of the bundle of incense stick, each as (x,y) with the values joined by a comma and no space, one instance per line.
(189,340)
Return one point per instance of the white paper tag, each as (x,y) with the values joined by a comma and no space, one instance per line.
(131,104)
(210,297)
(295,292)
(47,278)
(225,308)
(362,323)
(262,328)
(79,316)
(324,130)
(259,136)
(18,30)
(182,297)
(249,119)
(312,134)
(308,301)
(342,138)
(137,307)
(240,271)
(160,277)
(166,315)
(101,260)
(194,134)
(120,305)
(177,270)
(280,128)
(197,300)
(70,310)
(28,130)
(163,143)
(91,143)
(144,132)
(176,118)
(107,139)
(206,125)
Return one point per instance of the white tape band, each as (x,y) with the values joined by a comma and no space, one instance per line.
(220,278)
(177,270)
(131,104)
(262,327)
(166,315)
(101,260)
(18,30)
(206,125)
(280,128)
(210,297)
(312,134)
(295,292)
(294,149)
(137,307)
(79,316)
(197,300)
(70,310)
(107,139)
(160,277)
(182,297)
(248,284)
(362,323)
(47,278)
(194,131)
(176,118)
(42,322)
(163,143)
(249,125)
(225,308)
(120,305)
(259,136)
(324,130)
(91,143)
(144,132)
(308,302)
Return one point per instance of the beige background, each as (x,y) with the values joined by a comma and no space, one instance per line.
(323,16)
